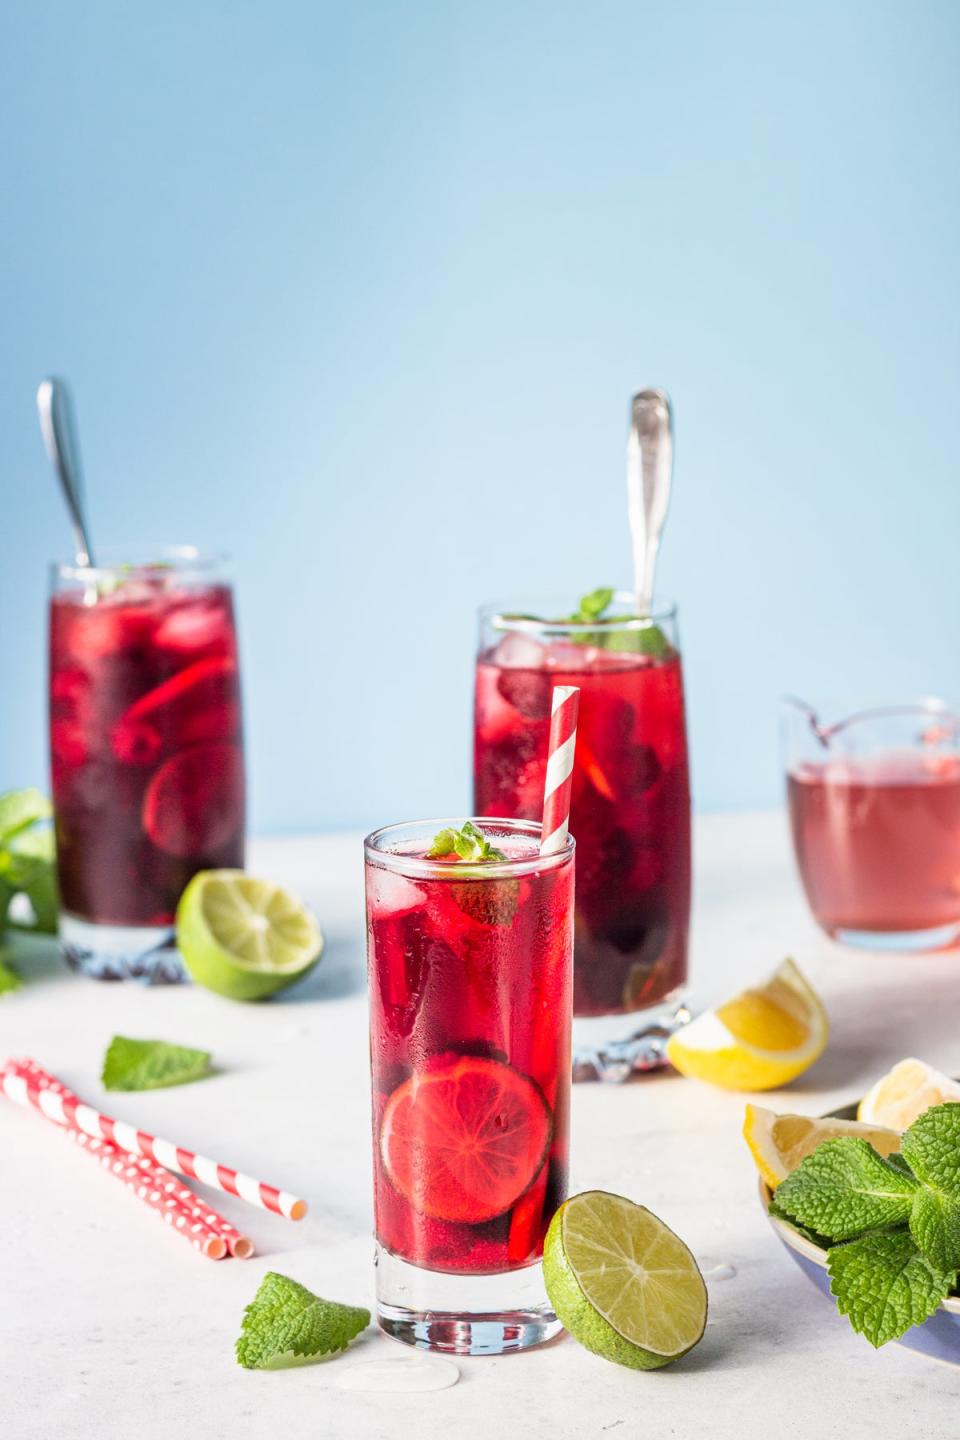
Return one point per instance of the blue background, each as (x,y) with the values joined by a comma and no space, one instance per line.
(359,292)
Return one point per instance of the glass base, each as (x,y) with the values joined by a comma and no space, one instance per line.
(600,1054)
(121,952)
(941,937)
(463,1314)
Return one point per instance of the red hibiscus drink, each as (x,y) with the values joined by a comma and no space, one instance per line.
(146,754)
(630,806)
(470,935)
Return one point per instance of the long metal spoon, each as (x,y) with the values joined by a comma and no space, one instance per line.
(649,473)
(60,438)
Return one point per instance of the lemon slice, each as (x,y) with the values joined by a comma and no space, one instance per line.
(622,1282)
(905,1092)
(244,938)
(779,1142)
(760,1040)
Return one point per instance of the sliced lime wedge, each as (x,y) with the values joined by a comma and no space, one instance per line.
(244,938)
(622,1282)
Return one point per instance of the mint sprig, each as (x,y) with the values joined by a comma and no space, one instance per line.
(467,843)
(899,1217)
(884,1284)
(151,1064)
(611,634)
(27,861)
(285,1322)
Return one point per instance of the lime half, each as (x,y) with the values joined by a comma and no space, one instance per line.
(244,938)
(622,1283)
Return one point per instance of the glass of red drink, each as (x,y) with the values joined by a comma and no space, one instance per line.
(145,753)
(630,808)
(470,972)
(874,803)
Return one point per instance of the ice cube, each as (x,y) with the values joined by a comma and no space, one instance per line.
(198,625)
(392,894)
(520,652)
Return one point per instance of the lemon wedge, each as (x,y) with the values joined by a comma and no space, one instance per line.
(779,1142)
(760,1040)
(905,1092)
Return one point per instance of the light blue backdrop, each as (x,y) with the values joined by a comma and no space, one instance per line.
(359,292)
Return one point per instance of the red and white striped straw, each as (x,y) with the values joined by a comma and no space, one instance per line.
(194,1209)
(22,1088)
(559,780)
(145,1185)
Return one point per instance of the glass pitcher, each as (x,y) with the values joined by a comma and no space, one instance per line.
(874,801)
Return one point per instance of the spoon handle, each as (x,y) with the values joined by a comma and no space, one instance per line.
(60,438)
(649,473)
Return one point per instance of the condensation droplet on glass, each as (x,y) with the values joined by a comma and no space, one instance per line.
(400,1377)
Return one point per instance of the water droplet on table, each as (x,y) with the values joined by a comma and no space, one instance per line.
(400,1376)
(720,1272)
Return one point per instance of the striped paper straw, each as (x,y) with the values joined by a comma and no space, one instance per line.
(191,1204)
(144,1184)
(559,779)
(22,1089)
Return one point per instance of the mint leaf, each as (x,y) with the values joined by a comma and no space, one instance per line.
(9,979)
(884,1285)
(931,1147)
(151,1064)
(935,1226)
(285,1321)
(20,809)
(844,1188)
(467,843)
(592,606)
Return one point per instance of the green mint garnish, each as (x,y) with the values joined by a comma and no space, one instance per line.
(647,639)
(884,1285)
(844,1188)
(467,843)
(9,978)
(286,1322)
(27,861)
(899,1217)
(151,1064)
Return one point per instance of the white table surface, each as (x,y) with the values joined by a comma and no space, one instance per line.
(111,1327)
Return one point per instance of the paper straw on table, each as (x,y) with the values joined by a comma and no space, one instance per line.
(143,1183)
(22,1089)
(194,1209)
(559,778)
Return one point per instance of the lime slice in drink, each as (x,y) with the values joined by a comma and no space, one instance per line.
(622,1283)
(244,938)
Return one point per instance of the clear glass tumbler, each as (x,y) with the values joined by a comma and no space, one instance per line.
(470,973)
(146,753)
(874,799)
(630,808)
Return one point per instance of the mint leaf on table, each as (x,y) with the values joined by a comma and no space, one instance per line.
(285,1322)
(884,1285)
(467,843)
(844,1188)
(151,1064)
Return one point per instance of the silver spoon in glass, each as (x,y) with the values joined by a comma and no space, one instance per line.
(60,438)
(649,474)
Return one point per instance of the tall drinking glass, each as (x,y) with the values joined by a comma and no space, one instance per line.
(470,984)
(145,753)
(630,808)
(874,798)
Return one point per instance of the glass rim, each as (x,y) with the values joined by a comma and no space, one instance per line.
(816,714)
(421,868)
(180,559)
(661,609)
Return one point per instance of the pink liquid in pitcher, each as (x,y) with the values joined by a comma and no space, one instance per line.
(878,840)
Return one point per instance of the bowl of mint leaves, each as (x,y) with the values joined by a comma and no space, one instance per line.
(881,1237)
